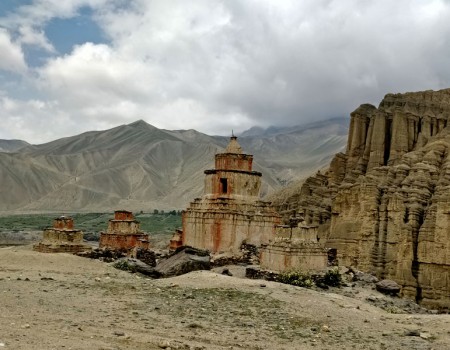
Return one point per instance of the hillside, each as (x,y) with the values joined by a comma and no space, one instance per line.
(140,167)
(12,145)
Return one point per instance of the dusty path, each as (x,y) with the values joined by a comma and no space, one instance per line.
(60,301)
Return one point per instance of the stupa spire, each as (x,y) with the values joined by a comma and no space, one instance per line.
(233,145)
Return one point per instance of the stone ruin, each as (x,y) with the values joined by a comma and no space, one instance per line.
(296,246)
(230,212)
(62,238)
(124,233)
(176,241)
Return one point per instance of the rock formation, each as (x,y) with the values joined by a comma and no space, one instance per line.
(384,204)
(62,238)
(123,233)
(230,212)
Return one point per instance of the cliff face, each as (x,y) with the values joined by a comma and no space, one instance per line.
(385,203)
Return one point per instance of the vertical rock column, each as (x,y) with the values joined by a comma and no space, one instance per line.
(377,145)
(399,143)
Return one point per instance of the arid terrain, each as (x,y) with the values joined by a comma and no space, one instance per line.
(140,167)
(60,301)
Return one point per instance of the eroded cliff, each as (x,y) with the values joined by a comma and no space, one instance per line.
(384,204)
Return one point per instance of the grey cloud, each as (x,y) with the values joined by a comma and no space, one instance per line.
(217,65)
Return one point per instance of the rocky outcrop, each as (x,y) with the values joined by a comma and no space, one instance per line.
(384,204)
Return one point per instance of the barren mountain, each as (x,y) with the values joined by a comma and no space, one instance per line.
(140,167)
(12,145)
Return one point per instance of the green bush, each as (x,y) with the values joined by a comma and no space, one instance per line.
(332,278)
(296,278)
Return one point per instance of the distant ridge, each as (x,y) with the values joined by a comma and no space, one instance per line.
(12,145)
(140,167)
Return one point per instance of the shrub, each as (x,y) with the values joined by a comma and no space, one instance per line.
(296,278)
(332,278)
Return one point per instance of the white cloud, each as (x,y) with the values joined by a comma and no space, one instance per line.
(11,57)
(217,65)
(32,36)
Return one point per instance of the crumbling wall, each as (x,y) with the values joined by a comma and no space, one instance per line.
(221,226)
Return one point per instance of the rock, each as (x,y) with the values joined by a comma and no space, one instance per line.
(134,265)
(325,328)
(382,206)
(412,333)
(388,287)
(184,260)
(226,272)
(364,277)
(164,344)
(119,333)
(425,335)
(254,272)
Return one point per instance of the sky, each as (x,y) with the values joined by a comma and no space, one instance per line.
(71,66)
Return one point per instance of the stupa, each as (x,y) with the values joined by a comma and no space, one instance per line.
(230,211)
(123,233)
(62,238)
(295,247)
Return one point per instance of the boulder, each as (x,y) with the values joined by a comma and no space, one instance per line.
(135,265)
(388,287)
(184,260)
(364,277)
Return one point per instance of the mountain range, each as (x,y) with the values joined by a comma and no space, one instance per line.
(140,167)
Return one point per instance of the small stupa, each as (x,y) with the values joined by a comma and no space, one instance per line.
(62,238)
(123,233)
(296,246)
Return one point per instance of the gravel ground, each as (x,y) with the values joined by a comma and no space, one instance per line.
(60,301)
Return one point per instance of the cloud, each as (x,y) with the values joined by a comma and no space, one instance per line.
(31,36)
(11,58)
(220,65)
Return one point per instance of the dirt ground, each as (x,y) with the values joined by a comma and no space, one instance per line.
(60,301)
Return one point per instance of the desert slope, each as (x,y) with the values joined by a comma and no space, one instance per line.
(140,167)
(12,145)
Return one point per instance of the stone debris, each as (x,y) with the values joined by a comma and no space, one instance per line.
(362,276)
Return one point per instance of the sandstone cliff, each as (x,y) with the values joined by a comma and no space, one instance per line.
(384,204)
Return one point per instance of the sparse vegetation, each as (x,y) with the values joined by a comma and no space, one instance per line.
(332,278)
(160,225)
(296,278)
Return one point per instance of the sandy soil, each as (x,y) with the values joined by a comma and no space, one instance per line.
(60,301)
